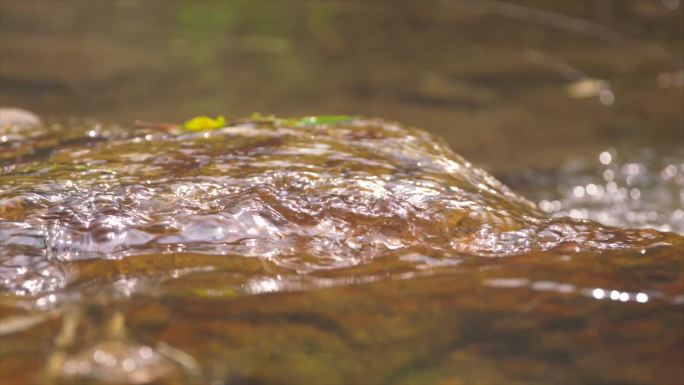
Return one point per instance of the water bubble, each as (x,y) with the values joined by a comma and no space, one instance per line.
(632,168)
(576,214)
(608,175)
(669,172)
(642,297)
(591,189)
(598,293)
(605,157)
(128,364)
(607,97)
(678,215)
(614,295)
(146,352)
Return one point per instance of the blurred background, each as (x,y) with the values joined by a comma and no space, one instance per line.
(509,84)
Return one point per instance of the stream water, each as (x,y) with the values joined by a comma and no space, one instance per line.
(131,224)
(533,235)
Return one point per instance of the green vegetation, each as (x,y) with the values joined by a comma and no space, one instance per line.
(324,119)
(203,123)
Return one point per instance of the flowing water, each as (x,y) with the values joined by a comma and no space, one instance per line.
(212,248)
(343,249)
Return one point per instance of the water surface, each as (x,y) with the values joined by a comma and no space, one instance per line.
(286,251)
(362,252)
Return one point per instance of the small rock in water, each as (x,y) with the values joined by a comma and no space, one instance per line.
(10,116)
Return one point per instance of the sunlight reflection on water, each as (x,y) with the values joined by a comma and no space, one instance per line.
(638,189)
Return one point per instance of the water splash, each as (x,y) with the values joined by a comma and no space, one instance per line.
(637,189)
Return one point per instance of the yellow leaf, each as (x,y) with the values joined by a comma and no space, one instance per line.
(201,123)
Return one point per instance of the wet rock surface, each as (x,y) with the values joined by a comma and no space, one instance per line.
(286,251)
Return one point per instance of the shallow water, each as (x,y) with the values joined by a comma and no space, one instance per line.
(633,187)
(304,249)
(361,253)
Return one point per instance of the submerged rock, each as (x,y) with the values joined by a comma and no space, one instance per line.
(437,271)
(300,196)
